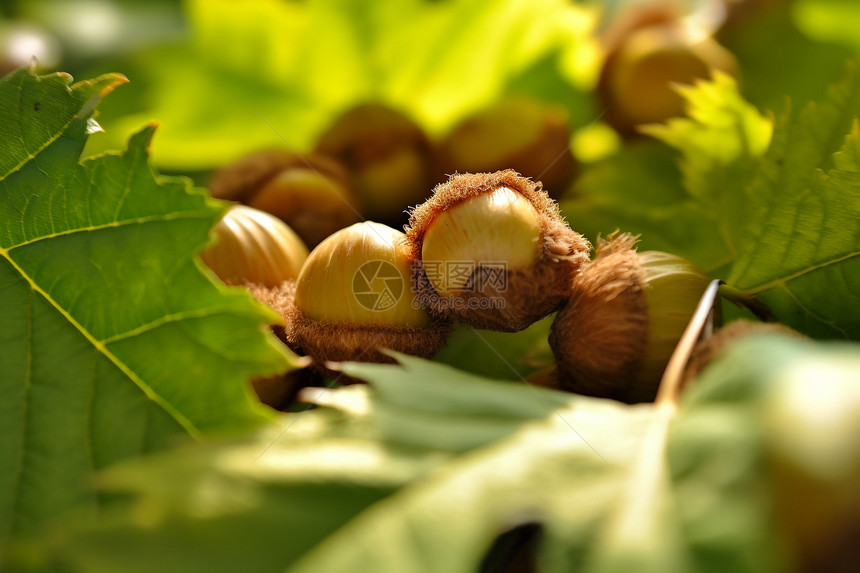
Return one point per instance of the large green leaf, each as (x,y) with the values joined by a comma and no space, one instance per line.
(425,468)
(802,234)
(113,340)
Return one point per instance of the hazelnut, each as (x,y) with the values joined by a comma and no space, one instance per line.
(647,58)
(353,298)
(251,246)
(494,251)
(626,313)
(528,136)
(387,154)
(311,193)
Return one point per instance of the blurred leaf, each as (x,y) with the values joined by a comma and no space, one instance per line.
(499,354)
(829,20)
(266,72)
(393,477)
(113,339)
(779,62)
(446,521)
(762,401)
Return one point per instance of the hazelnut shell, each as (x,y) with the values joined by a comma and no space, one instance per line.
(251,246)
(528,293)
(331,319)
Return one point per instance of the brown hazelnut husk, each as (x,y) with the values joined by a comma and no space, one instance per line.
(390,159)
(312,193)
(526,135)
(494,251)
(626,313)
(353,298)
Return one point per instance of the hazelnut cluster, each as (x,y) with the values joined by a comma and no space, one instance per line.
(488,250)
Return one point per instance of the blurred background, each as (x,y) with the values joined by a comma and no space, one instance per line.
(223,76)
(395,94)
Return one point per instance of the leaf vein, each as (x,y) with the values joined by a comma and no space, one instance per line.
(782,281)
(116,224)
(183,421)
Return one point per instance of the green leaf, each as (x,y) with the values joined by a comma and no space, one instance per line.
(828,20)
(499,354)
(301,479)
(779,60)
(774,215)
(446,521)
(720,142)
(113,340)
(37,113)
(758,419)
(802,235)
(638,190)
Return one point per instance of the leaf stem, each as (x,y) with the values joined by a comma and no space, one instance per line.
(746,300)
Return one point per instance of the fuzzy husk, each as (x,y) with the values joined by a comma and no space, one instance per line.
(546,377)
(279,392)
(339,342)
(279,299)
(600,336)
(530,294)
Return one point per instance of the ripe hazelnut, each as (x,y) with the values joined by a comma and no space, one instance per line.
(353,297)
(251,246)
(494,251)
(626,313)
